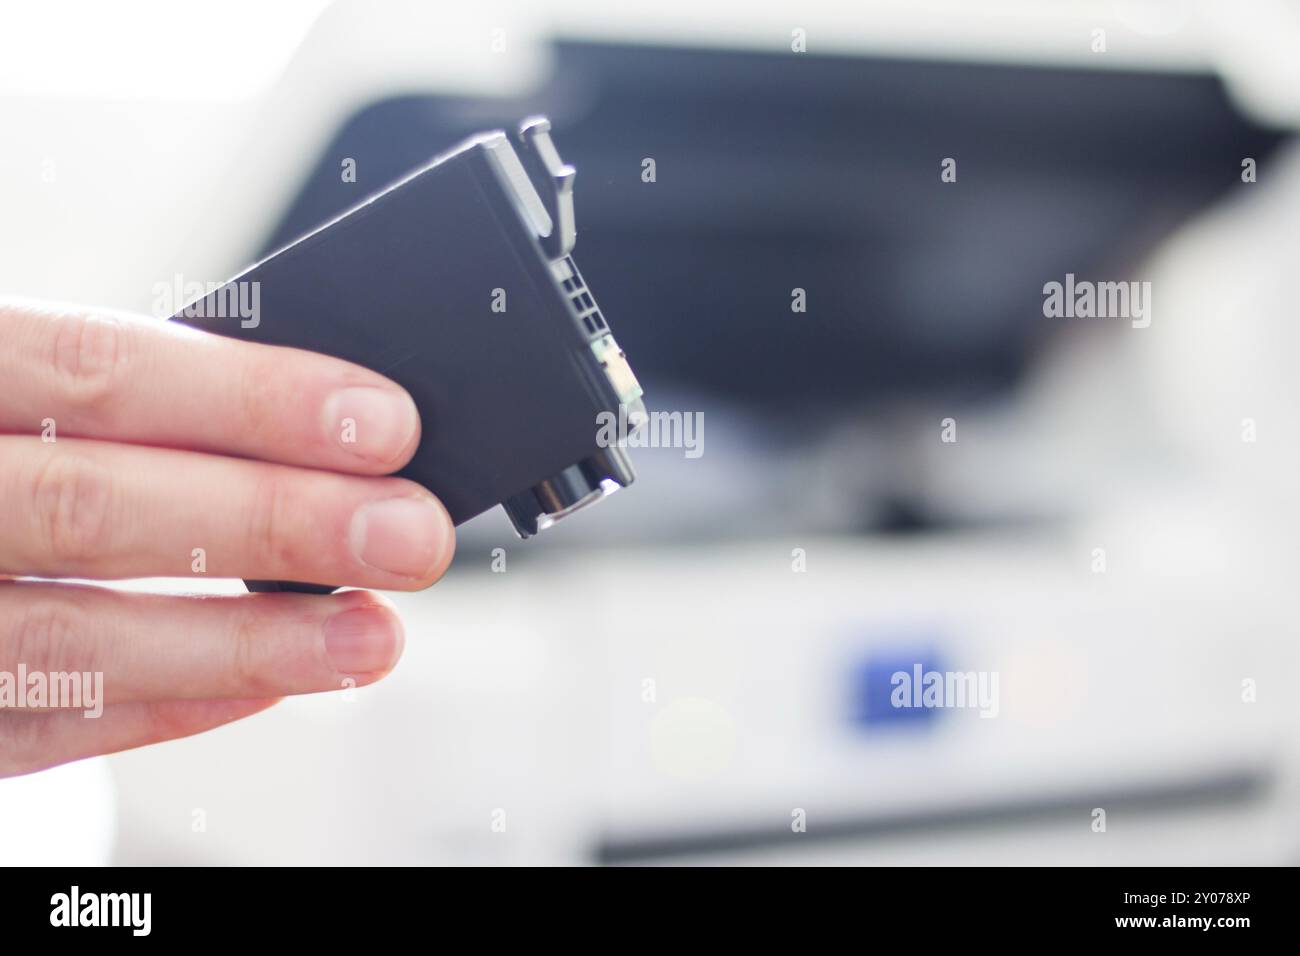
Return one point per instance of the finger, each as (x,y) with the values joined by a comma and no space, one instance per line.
(131,379)
(38,740)
(155,647)
(91,509)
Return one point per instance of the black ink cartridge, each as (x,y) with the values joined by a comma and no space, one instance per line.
(457,282)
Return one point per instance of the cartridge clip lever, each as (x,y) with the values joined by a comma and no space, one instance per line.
(553,179)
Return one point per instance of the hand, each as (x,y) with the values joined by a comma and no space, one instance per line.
(137,448)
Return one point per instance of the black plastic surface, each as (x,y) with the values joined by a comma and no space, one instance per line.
(405,285)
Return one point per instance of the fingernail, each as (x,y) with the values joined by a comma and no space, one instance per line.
(405,536)
(363,640)
(373,423)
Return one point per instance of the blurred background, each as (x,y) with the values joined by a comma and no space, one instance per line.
(691,669)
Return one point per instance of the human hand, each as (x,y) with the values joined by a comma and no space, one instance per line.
(136,448)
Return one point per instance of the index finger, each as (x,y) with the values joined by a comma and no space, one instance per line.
(97,374)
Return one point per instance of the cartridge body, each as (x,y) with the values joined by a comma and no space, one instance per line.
(457,283)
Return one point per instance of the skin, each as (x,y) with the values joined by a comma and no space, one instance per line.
(169,440)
